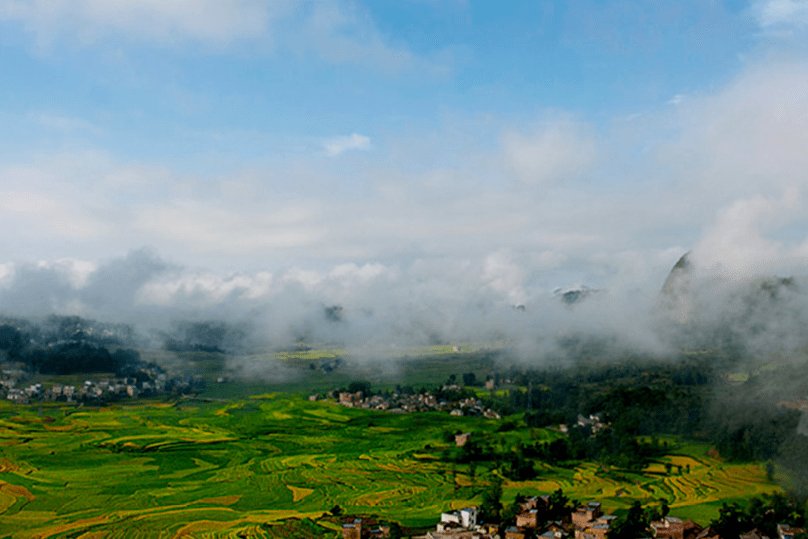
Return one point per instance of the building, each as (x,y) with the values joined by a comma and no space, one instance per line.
(460,524)
(352,530)
(786,531)
(542,503)
(668,528)
(528,519)
(590,522)
(350,399)
(464,518)
(462,439)
(585,515)
(556,529)
(515,533)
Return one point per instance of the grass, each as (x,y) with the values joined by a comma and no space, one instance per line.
(200,466)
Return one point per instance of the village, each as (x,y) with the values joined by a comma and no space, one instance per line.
(535,521)
(399,402)
(146,382)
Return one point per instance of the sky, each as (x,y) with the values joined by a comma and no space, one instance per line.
(216,149)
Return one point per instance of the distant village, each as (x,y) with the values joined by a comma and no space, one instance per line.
(147,382)
(425,401)
(584,522)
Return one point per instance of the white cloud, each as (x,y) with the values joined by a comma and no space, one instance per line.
(30,211)
(506,277)
(160,21)
(204,289)
(736,244)
(6,272)
(77,272)
(342,32)
(356,273)
(781,14)
(677,99)
(338,32)
(339,145)
(206,226)
(557,151)
(63,123)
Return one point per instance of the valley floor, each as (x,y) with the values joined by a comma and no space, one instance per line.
(196,466)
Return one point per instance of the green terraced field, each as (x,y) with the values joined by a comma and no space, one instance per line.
(223,467)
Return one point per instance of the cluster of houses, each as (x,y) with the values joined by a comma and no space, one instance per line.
(148,383)
(358,528)
(409,403)
(586,522)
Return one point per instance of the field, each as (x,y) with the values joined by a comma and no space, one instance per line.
(303,371)
(208,466)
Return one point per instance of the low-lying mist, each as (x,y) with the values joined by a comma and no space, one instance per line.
(374,311)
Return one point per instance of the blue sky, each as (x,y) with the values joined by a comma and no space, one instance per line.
(384,64)
(525,145)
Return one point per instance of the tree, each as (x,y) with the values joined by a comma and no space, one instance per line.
(510,512)
(558,505)
(395,530)
(518,467)
(731,521)
(634,524)
(664,508)
(491,505)
(793,456)
(360,386)
(469,379)
(336,510)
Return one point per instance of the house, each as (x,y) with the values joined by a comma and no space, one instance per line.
(786,531)
(585,515)
(17,396)
(464,518)
(460,524)
(753,534)
(668,528)
(540,503)
(590,523)
(358,528)
(596,531)
(528,519)
(352,530)
(349,399)
(599,531)
(708,533)
(379,531)
(515,533)
(462,439)
(556,529)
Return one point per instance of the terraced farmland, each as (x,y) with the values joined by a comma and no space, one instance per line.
(219,467)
